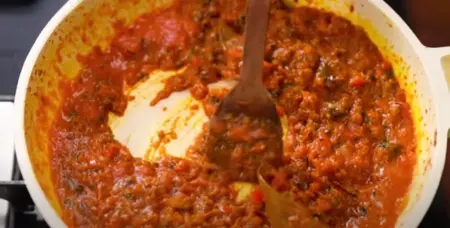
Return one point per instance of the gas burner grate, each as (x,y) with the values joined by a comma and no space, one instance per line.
(22,212)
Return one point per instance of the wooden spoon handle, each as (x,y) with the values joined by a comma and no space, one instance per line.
(255,39)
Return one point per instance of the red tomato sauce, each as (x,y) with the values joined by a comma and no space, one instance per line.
(240,144)
(349,151)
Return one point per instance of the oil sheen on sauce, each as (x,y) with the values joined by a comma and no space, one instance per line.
(349,147)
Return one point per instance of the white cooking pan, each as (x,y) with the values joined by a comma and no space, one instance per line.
(79,25)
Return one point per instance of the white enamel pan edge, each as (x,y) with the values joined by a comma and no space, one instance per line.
(425,63)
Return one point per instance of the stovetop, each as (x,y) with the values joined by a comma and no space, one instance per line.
(20,24)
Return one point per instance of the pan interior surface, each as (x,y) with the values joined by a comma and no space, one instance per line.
(92,24)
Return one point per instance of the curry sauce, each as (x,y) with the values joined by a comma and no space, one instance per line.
(349,150)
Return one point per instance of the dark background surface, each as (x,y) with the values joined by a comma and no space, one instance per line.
(20,23)
(22,20)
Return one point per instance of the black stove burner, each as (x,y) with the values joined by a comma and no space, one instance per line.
(22,211)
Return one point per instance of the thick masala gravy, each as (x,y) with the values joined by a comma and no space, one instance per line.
(349,150)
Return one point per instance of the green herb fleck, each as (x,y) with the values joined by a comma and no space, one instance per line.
(372,76)
(395,151)
(144,44)
(73,114)
(290,30)
(130,52)
(288,84)
(68,203)
(316,215)
(309,23)
(129,195)
(76,156)
(214,99)
(384,144)
(389,73)
(141,75)
(362,211)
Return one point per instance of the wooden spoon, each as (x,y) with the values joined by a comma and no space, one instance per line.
(249,99)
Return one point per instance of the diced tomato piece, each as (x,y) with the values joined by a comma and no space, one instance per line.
(323,204)
(257,196)
(112,151)
(235,53)
(217,126)
(182,166)
(209,109)
(199,91)
(279,182)
(386,65)
(357,82)
(405,111)
(195,61)
(268,67)
(239,134)
(280,110)
(226,209)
